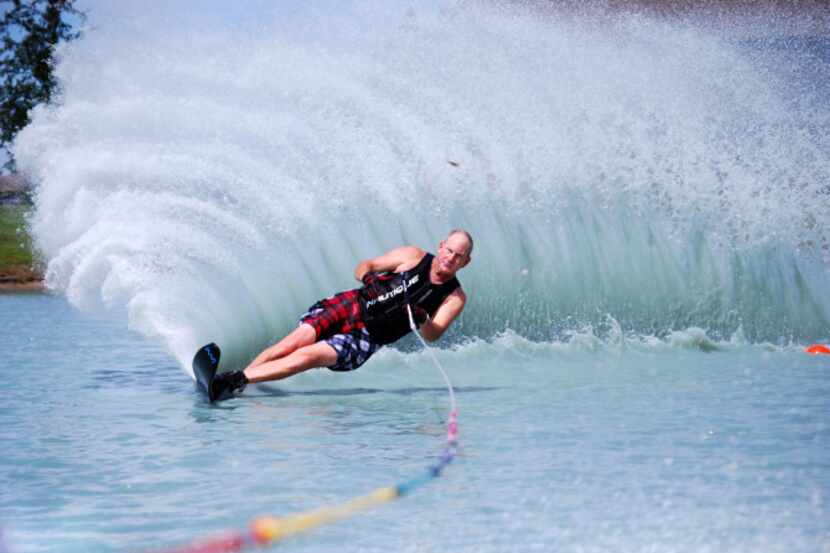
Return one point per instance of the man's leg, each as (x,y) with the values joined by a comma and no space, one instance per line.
(303,335)
(319,354)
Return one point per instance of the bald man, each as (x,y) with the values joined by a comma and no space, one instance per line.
(341,332)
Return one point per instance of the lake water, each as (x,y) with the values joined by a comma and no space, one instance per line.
(585,446)
(649,200)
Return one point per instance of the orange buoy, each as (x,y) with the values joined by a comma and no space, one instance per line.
(815,349)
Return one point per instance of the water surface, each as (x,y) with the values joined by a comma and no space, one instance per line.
(579,446)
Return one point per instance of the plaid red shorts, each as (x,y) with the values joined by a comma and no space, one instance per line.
(338,314)
(338,321)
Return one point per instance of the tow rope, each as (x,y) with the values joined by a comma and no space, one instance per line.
(268,530)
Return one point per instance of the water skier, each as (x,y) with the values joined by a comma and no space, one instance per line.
(341,332)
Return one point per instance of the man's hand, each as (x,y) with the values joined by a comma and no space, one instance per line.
(444,316)
(369,278)
(375,278)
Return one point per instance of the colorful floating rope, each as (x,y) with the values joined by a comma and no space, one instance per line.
(267,530)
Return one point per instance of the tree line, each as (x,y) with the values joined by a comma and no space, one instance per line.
(30,30)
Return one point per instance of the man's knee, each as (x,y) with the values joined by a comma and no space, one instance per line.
(319,354)
(305,334)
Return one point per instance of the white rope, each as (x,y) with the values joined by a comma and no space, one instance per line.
(434,359)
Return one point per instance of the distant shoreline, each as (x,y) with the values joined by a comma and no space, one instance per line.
(18,268)
(29,286)
(20,278)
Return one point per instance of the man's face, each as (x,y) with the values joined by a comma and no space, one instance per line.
(453,254)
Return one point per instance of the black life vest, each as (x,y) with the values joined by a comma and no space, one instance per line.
(384,300)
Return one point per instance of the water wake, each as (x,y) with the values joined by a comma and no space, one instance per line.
(211,179)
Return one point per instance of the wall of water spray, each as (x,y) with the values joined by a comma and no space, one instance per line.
(208,178)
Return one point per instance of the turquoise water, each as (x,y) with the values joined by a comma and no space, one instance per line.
(584,445)
(649,202)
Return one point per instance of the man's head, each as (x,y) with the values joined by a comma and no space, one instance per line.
(454,252)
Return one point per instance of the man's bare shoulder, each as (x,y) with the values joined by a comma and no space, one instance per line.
(409,252)
(451,307)
(456,300)
(408,257)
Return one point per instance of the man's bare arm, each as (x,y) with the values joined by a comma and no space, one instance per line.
(399,259)
(452,307)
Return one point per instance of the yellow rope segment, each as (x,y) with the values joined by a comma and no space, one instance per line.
(268,529)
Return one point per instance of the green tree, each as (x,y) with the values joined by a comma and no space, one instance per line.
(29,32)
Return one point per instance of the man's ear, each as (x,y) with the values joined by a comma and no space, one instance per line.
(466,261)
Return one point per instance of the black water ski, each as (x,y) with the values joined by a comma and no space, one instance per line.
(205,363)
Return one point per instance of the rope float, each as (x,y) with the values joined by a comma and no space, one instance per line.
(267,530)
(818,349)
